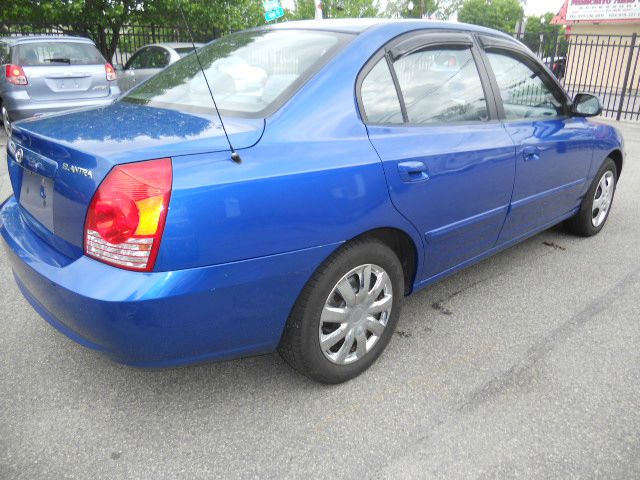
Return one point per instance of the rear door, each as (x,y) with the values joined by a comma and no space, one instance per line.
(553,149)
(449,162)
(62,70)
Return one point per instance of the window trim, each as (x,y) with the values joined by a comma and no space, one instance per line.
(419,40)
(520,53)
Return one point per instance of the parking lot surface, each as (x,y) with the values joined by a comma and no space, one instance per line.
(525,365)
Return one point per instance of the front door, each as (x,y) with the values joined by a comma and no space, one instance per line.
(449,162)
(553,149)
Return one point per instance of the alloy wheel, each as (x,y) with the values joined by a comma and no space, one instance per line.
(602,199)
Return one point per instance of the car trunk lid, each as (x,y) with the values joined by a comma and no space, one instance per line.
(56,163)
(68,82)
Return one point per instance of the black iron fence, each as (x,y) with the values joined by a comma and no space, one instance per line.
(606,65)
(129,39)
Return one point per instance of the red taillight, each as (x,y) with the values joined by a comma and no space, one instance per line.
(15,74)
(111,73)
(126,217)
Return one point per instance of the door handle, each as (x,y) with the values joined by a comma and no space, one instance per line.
(531,153)
(413,171)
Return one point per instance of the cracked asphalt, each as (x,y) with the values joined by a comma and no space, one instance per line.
(524,366)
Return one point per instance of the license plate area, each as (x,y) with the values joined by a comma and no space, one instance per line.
(36,197)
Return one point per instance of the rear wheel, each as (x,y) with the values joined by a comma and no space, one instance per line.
(596,205)
(346,314)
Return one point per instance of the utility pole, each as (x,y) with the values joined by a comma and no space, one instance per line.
(421,8)
(318,10)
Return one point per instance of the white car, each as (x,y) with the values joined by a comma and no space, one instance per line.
(149,60)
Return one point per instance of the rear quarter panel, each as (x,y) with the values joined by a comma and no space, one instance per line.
(313,179)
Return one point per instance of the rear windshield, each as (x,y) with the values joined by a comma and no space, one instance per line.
(248,72)
(56,53)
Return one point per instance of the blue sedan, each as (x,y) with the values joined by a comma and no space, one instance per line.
(373,159)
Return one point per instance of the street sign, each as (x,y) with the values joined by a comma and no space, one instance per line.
(271,5)
(273,14)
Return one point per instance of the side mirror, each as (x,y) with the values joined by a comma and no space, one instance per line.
(586,105)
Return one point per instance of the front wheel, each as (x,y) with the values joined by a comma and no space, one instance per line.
(596,205)
(346,314)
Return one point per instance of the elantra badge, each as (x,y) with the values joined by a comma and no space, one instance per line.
(85,172)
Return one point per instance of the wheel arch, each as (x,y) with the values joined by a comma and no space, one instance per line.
(616,156)
(403,245)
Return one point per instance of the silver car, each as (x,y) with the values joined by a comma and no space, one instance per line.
(45,74)
(149,60)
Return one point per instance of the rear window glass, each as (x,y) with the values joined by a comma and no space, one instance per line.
(56,53)
(248,72)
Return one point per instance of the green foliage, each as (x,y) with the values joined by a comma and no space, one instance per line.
(306,9)
(499,14)
(103,20)
(552,41)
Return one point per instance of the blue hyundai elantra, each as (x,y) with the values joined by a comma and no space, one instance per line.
(372,158)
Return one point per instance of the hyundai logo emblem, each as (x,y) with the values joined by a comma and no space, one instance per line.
(19,155)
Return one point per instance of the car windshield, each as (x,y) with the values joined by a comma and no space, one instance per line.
(248,72)
(56,53)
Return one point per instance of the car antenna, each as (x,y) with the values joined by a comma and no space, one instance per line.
(235,156)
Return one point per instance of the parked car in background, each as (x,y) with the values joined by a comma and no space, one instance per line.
(557,65)
(149,60)
(376,158)
(45,74)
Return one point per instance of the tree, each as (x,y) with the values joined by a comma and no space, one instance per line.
(544,37)
(306,9)
(104,20)
(499,14)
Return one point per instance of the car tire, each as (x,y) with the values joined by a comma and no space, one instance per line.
(366,311)
(596,204)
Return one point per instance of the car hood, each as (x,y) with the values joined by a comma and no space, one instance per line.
(125,132)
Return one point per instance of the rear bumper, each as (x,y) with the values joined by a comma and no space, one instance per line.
(161,318)
(20,106)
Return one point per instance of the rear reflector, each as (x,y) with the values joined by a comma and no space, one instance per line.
(126,217)
(15,75)
(111,73)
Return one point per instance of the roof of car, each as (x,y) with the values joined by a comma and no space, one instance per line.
(359,25)
(43,38)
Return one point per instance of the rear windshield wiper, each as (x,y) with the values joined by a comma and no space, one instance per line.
(59,60)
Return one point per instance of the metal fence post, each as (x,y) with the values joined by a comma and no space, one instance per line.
(626,75)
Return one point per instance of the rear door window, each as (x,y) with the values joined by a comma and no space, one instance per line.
(56,53)
(141,59)
(158,57)
(441,84)
(379,96)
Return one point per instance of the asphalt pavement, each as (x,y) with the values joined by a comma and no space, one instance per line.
(524,366)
